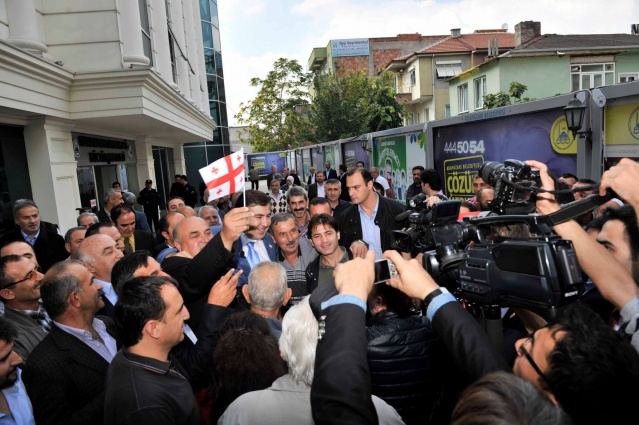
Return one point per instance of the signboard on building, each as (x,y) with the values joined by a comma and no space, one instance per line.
(350,47)
(460,150)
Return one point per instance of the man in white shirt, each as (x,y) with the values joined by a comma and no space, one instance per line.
(381,180)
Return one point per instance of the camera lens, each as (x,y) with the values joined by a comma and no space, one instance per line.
(489,172)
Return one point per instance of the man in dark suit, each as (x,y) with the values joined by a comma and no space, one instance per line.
(311,177)
(65,375)
(150,201)
(140,218)
(317,188)
(47,244)
(110,199)
(123,216)
(330,173)
(99,253)
(344,196)
(271,176)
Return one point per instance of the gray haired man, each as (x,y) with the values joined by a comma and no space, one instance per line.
(268,292)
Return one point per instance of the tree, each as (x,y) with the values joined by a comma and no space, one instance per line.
(272,121)
(500,99)
(353,104)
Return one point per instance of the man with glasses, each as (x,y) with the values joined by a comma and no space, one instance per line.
(20,292)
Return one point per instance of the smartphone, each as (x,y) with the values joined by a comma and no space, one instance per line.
(384,271)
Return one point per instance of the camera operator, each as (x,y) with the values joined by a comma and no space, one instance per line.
(576,361)
(615,283)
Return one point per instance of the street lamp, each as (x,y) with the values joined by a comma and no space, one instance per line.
(574,111)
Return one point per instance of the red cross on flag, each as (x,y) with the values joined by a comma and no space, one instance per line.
(224,176)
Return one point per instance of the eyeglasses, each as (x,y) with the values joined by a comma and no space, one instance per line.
(526,354)
(33,275)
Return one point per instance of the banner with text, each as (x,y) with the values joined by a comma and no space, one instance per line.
(460,150)
(264,161)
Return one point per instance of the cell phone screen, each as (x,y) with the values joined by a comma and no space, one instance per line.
(382,272)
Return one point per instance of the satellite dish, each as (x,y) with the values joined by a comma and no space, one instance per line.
(504,27)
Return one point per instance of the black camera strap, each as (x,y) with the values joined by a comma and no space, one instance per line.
(577,208)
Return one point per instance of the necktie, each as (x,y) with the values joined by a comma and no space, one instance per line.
(128,249)
(252,256)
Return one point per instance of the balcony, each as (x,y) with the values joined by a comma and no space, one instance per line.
(317,59)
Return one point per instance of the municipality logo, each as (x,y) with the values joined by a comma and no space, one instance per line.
(561,138)
(633,123)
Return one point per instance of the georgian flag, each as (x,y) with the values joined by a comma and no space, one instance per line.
(224,176)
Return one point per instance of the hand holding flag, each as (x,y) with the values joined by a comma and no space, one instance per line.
(224,176)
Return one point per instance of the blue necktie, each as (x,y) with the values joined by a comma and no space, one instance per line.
(253,258)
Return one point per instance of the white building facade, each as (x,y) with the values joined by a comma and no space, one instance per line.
(93,92)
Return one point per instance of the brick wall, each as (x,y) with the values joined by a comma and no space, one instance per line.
(348,64)
(381,58)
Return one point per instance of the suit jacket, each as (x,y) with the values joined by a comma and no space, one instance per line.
(330,174)
(240,262)
(103,216)
(344,196)
(312,191)
(144,241)
(341,390)
(30,333)
(140,221)
(308,181)
(198,275)
(65,380)
(49,247)
(269,179)
(108,310)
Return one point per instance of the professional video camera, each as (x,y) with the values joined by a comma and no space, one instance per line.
(514,260)
(514,183)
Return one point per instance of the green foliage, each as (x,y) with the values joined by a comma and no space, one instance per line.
(271,119)
(500,99)
(353,104)
(342,107)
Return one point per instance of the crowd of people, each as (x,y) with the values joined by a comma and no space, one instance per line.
(260,308)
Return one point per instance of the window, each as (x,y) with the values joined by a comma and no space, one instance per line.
(146,30)
(462,94)
(426,115)
(448,69)
(480,92)
(172,42)
(410,118)
(589,76)
(627,77)
(413,79)
(447,111)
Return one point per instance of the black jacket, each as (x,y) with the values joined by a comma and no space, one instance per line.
(312,273)
(149,199)
(341,390)
(198,275)
(344,195)
(49,247)
(350,227)
(409,367)
(65,378)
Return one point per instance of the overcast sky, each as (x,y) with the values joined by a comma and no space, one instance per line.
(255,33)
